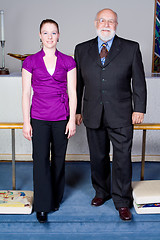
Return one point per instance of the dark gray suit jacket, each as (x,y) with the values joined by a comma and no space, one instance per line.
(118,86)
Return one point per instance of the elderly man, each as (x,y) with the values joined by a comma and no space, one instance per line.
(111,80)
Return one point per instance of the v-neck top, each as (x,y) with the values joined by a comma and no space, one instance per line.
(50,99)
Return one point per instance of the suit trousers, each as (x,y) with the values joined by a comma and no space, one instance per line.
(99,141)
(48,176)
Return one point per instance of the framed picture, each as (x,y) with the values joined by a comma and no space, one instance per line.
(156,39)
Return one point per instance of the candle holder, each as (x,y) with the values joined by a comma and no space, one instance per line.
(3,70)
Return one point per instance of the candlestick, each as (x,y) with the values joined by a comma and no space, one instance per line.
(3,70)
(2,25)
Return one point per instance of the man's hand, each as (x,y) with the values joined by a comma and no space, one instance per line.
(78,119)
(137,117)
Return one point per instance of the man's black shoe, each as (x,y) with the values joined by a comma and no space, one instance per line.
(42,217)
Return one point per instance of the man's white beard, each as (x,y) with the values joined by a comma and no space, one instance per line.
(106,37)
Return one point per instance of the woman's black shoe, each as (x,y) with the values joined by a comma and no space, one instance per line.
(42,217)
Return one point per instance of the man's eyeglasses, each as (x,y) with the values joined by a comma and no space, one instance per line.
(103,21)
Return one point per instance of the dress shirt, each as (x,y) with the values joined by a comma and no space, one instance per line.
(108,46)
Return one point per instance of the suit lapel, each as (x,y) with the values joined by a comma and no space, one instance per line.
(114,51)
(93,51)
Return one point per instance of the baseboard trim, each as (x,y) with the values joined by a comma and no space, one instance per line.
(75,157)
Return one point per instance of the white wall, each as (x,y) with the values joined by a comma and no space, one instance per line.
(75,18)
(22,19)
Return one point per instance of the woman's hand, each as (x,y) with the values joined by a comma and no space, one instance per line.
(70,128)
(27,131)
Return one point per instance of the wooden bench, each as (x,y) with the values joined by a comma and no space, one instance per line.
(12,126)
(143,126)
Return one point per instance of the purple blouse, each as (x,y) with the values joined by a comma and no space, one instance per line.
(50,99)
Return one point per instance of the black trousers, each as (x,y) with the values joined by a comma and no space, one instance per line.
(99,141)
(48,176)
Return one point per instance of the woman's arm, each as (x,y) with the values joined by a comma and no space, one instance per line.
(26,98)
(71,81)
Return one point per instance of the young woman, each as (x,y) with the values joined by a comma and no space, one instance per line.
(51,120)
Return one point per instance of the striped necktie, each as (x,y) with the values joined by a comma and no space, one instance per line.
(103,53)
